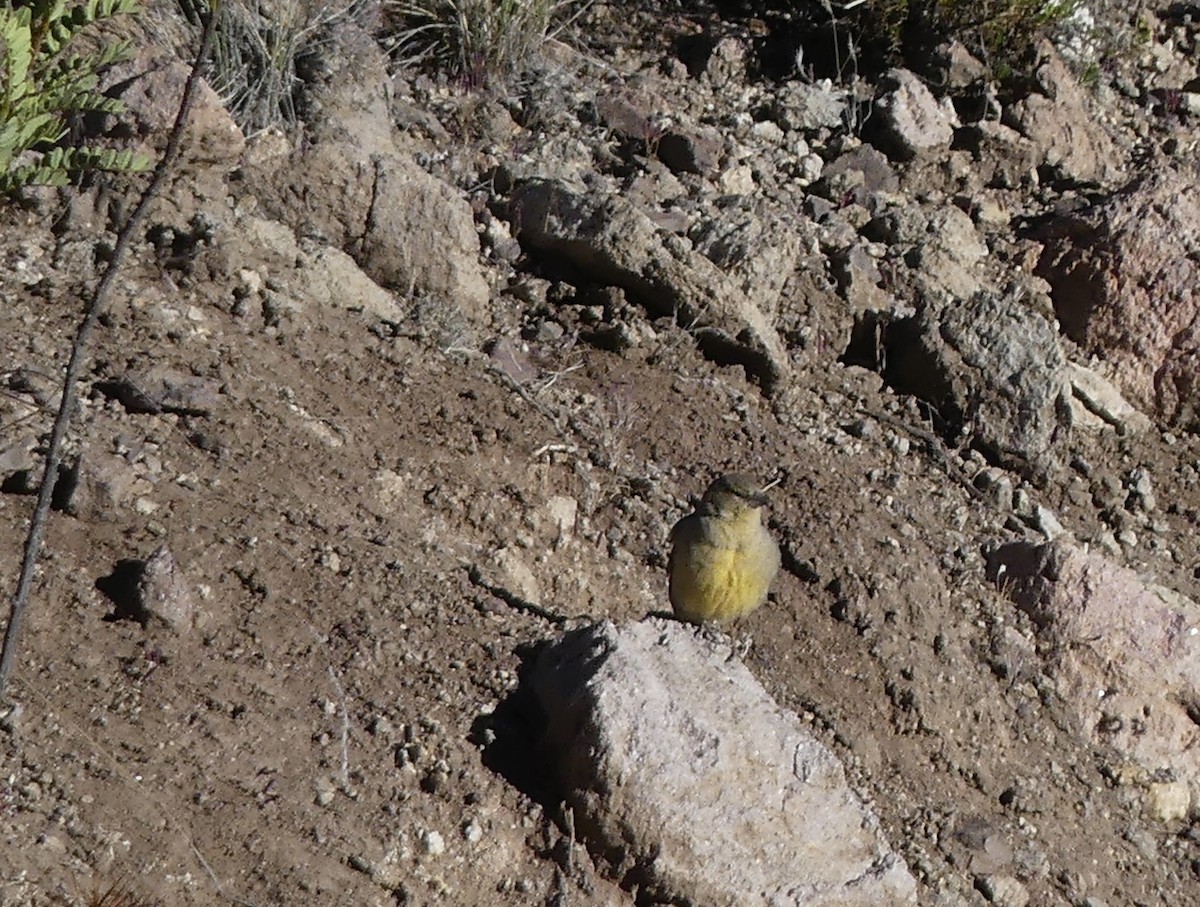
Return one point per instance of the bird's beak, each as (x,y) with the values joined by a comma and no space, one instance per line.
(760,499)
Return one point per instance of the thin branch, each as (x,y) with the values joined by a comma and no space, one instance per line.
(37,525)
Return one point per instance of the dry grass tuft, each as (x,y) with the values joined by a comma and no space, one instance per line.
(117,893)
(478,41)
(260,50)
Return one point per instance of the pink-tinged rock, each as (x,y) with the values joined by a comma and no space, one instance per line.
(1063,127)
(1124,654)
(1124,277)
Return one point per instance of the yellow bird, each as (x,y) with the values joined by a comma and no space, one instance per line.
(723,559)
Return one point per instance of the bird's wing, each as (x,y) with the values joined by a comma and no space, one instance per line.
(680,528)
(683,533)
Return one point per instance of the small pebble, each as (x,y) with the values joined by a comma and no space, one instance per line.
(1003,890)
(434,843)
(1048,523)
(325,792)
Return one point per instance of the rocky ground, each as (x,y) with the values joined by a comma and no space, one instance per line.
(386,403)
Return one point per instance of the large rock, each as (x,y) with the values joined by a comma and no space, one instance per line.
(420,234)
(685,775)
(289,272)
(150,85)
(613,242)
(1124,654)
(409,231)
(352,186)
(992,368)
(1062,126)
(1003,157)
(909,121)
(858,175)
(1124,278)
(941,245)
(775,263)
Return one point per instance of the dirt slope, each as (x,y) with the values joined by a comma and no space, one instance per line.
(378,519)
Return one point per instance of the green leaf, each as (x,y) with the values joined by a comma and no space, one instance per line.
(18,54)
(40,84)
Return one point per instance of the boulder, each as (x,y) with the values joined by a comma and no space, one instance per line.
(1123,279)
(685,774)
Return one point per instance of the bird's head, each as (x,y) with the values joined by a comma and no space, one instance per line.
(732,494)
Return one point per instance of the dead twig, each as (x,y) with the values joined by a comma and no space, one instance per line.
(343,776)
(514,601)
(37,525)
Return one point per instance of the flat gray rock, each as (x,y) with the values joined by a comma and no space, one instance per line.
(613,242)
(993,368)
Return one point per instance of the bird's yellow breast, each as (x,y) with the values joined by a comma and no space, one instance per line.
(721,569)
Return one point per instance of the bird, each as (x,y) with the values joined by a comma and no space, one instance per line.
(723,559)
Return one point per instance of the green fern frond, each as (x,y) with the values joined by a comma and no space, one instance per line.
(72,21)
(18,135)
(41,83)
(59,165)
(18,53)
